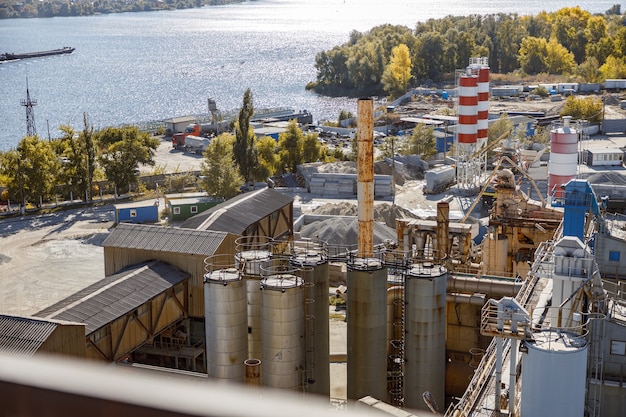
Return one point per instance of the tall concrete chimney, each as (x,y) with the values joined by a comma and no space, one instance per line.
(365,168)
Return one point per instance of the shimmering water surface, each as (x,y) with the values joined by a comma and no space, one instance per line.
(135,67)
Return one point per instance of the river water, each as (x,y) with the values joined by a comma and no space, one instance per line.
(135,67)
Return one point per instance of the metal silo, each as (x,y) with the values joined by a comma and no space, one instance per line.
(554,374)
(563,163)
(226,319)
(312,259)
(425,334)
(367,329)
(249,257)
(282,327)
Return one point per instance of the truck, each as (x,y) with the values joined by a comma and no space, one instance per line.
(196,144)
(178,140)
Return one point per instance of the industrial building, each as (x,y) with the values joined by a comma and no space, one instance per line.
(527,319)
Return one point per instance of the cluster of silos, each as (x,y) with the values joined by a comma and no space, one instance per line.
(563,162)
(311,257)
(480,67)
(258,315)
(473,120)
(467,109)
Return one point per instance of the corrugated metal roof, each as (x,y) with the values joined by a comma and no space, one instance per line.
(117,295)
(235,215)
(23,336)
(167,239)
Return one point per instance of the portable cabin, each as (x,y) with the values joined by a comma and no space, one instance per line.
(137,212)
(183,208)
(604,157)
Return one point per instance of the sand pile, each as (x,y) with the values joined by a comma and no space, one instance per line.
(383,213)
(343,231)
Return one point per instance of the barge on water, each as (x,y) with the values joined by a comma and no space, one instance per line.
(8,56)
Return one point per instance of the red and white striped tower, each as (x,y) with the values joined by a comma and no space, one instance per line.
(563,157)
(467,111)
(480,67)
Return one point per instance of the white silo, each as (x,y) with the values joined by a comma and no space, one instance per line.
(251,254)
(554,375)
(282,328)
(226,322)
(312,260)
(425,335)
(563,162)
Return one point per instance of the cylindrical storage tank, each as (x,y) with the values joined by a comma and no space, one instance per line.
(467,111)
(313,262)
(366,315)
(483,102)
(250,263)
(559,360)
(425,335)
(563,162)
(226,324)
(282,326)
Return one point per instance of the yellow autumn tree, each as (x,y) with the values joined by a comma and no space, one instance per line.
(397,74)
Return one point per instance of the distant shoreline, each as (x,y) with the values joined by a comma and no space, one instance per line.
(14,9)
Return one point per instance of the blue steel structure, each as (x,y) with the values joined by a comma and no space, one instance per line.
(578,199)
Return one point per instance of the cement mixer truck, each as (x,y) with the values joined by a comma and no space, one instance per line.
(196,144)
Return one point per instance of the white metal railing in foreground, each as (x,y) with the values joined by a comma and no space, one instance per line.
(55,386)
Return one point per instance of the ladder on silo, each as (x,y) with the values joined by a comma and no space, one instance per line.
(595,371)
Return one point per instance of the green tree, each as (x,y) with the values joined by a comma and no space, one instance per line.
(122,150)
(614,68)
(398,72)
(421,142)
(267,157)
(220,177)
(599,44)
(558,59)
(509,34)
(30,170)
(532,55)
(79,166)
(311,147)
(568,26)
(244,149)
(589,71)
(290,147)
(583,108)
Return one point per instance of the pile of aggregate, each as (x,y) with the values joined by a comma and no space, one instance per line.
(384,213)
(343,231)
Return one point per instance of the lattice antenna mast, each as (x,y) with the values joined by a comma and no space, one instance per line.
(31,130)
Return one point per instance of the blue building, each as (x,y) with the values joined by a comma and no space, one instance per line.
(137,212)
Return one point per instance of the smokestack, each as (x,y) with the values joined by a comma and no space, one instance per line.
(365,168)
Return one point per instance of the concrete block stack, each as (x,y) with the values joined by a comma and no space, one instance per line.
(337,185)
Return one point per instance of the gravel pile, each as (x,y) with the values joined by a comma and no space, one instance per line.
(343,231)
(383,213)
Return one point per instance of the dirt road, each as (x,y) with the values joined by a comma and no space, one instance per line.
(45,258)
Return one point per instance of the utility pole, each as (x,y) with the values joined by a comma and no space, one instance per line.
(31,130)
